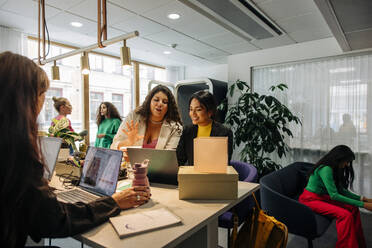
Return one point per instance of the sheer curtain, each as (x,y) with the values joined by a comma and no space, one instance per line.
(12,41)
(333,99)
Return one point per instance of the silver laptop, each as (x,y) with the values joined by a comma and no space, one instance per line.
(50,147)
(98,178)
(163,165)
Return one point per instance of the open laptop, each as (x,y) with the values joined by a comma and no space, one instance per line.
(163,165)
(98,178)
(50,147)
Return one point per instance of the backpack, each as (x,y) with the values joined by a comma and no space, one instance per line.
(260,231)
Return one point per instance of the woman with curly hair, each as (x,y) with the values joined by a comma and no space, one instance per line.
(108,122)
(327,194)
(154,124)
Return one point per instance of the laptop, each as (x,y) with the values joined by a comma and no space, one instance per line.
(50,147)
(163,165)
(98,178)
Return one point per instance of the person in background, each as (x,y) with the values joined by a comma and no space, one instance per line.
(64,108)
(154,124)
(327,194)
(30,208)
(108,122)
(202,110)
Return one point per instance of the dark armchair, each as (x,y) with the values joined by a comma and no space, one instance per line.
(279,197)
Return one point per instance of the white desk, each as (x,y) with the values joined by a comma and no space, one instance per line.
(199,221)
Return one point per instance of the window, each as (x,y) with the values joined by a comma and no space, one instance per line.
(96,98)
(117,100)
(148,73)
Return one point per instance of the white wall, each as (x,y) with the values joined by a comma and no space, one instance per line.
(239,65)
(218,72)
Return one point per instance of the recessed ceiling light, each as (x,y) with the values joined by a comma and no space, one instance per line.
(167,52)
(173,16)
(76,24)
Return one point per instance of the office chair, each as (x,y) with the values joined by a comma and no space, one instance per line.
(247,173)
(279,198)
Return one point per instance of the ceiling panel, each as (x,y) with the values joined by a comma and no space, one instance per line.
(65,4)
(212,53)
(142,25)
(200,29)
(2,2)
(23,23)
(283,9)
(304,22)
(88,9)
(187,15)
(304,35)
(140,6)
(238,48)
(196,47)
(168,37)
(360,40)
(28,8)
(223,39)
(63,20)
(273,42)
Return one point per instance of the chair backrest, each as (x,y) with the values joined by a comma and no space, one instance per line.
(246,171)
(289,181)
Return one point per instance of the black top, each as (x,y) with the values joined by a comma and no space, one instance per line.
(41,215)
(185,148)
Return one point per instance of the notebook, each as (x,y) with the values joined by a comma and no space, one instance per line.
(143,221)
(163,165)
(98,178)
(50,147)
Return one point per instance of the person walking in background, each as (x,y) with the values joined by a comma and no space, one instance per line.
(29,206)
(108,122)
(327,194)
(202,110)
(154,124)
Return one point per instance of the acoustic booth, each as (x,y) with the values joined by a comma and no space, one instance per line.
(185,88)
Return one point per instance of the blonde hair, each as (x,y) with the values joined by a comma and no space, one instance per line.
(59,101)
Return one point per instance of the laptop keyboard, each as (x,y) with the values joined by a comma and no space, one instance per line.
(76,195)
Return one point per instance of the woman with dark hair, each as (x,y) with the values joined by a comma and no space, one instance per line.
(154,124)
(327,194)
(108,122)
(29,206)
(202,111)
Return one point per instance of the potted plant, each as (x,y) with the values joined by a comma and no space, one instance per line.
(60,129)
(260,124)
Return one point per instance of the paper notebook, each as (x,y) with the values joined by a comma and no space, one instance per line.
(143,221)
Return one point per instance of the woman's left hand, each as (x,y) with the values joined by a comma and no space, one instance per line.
(367,199)
(101,135)
(132,197)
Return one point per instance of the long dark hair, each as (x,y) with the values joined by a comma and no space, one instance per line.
(112,112)
(343,177)
(172,113)
(21,83)
(207,100)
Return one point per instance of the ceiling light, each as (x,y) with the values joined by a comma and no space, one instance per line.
(167,52)
(342,69)
(55,71)
(173,16)
(125,55)
(76,24)
(84,63)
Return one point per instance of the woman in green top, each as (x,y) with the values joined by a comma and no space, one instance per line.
(108,122)
(327,194)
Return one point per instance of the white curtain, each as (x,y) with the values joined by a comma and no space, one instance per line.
(13,41)
(333,99)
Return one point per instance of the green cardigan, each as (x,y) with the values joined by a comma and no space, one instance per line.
(321,182)
(109,127)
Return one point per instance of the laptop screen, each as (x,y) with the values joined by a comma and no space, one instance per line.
(100,170)
(50,148)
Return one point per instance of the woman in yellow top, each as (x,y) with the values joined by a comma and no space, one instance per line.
(202,110)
